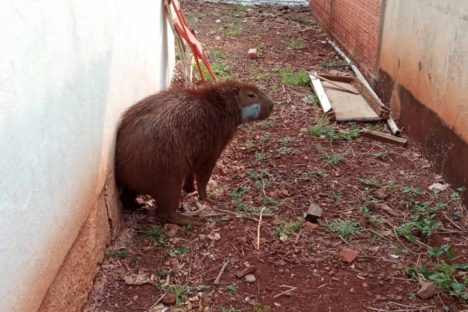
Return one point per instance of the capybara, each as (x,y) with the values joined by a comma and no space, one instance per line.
(168,140)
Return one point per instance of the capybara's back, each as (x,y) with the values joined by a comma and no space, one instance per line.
(178,135)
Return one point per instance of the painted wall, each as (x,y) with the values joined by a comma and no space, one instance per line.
(68,69)
(425,50)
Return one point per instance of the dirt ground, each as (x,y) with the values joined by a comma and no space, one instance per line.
(374,196)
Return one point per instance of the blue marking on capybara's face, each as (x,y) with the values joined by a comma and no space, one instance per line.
(251,112)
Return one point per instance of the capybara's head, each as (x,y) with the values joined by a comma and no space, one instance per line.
(253,103)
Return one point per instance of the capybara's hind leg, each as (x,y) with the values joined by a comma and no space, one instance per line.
(167,200)
(189,187)
(203,176)
(128,198)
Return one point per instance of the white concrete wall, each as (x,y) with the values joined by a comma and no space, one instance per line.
(68,68)
(425,49)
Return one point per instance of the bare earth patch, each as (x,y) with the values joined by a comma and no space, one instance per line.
(374,199)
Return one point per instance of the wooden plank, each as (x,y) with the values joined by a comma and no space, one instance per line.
(384,137)
(318,88)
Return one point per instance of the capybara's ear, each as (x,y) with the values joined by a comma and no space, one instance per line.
(235,89)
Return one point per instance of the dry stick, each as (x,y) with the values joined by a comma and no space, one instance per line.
(298,235)
(235,213)
(286,292)
(158,301)
(456,225)
(216,282)
(396,235)
(257,247)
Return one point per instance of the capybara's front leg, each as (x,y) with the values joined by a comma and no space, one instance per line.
(188,183)
(203,176)
(168,199)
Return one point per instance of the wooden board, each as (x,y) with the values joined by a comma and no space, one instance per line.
(348,106)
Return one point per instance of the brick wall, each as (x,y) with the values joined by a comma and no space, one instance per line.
(355,24)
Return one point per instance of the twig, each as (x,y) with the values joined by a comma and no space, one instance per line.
(216,282)
(286,292)
(235,213)
(158,301)
(257,246)
(298,235)
(456,225)
(396,235)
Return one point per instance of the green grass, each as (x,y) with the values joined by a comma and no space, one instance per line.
(157,235)
(412,190)
(333,64)
(369,182)
(285,150)
(261,155)
(239,192)
(179,251)
(179,292)
(297,44)
(381,155)
(445,276)
(193,17)
(336,196)
(294,78)
(456,195)
(220,69)
(234,30)
(322,128)
(121,253)
(311,99)
(230,309)
(286,228)
(217,55)
(286,140)
(334,159)
(231,288)
(343,228)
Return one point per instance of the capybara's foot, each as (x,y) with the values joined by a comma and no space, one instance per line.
(176,218)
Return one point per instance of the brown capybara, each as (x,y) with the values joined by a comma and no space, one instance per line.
(174,137)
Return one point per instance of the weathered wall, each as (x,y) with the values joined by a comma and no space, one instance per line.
(355,25)
(424,77)
(68,69)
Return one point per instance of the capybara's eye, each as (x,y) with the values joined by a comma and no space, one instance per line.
(251,95)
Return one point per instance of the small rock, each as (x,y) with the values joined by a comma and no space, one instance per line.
(313,213)
(137,279)
(381,193)
(365,285)
(351,290)
(252,53)
(246,271)
(428,289)
(169,299)
(310,226)
(438,187)
(214,236)
(171,229)
(348,255)
(250,278)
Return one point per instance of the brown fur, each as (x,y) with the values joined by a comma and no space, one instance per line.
(176,136)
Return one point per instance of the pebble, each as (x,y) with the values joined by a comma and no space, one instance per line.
(428,289)
(169,299)
(348,255)
(250,278)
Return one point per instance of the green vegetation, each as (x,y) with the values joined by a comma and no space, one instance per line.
(157,235)
(121,253)
(422,221)
(312,99)
(283,228)
(334,159)
(343,228)
(179,292)
(322,128)
(297,44)
(292,78)
(231,288)
(179,251)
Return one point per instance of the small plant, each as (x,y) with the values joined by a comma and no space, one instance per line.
(230,309)
(291,78)
(186,229)
(322,128)
(231,288)
(265,137)
(157,235)
(412,190)
(217,54)
(390,184)
(369,182)
(455,196)
(179,251)
(284,150)
(343,228)
(444,275)
(333,64)
(322,174)
(261,155)
(284,229)
(336,196)
(179,292)
(307,175)
(220,69)
(121,253)
(193,17)
(297,44)
(260,308)
(239,192)
(258,75)
(334,159)
(268,201)
(422,220)
(311,247)
(286,140)
(249,144)
(435,252)
(267,122)
(381,155)
(311,99)
(233,30)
